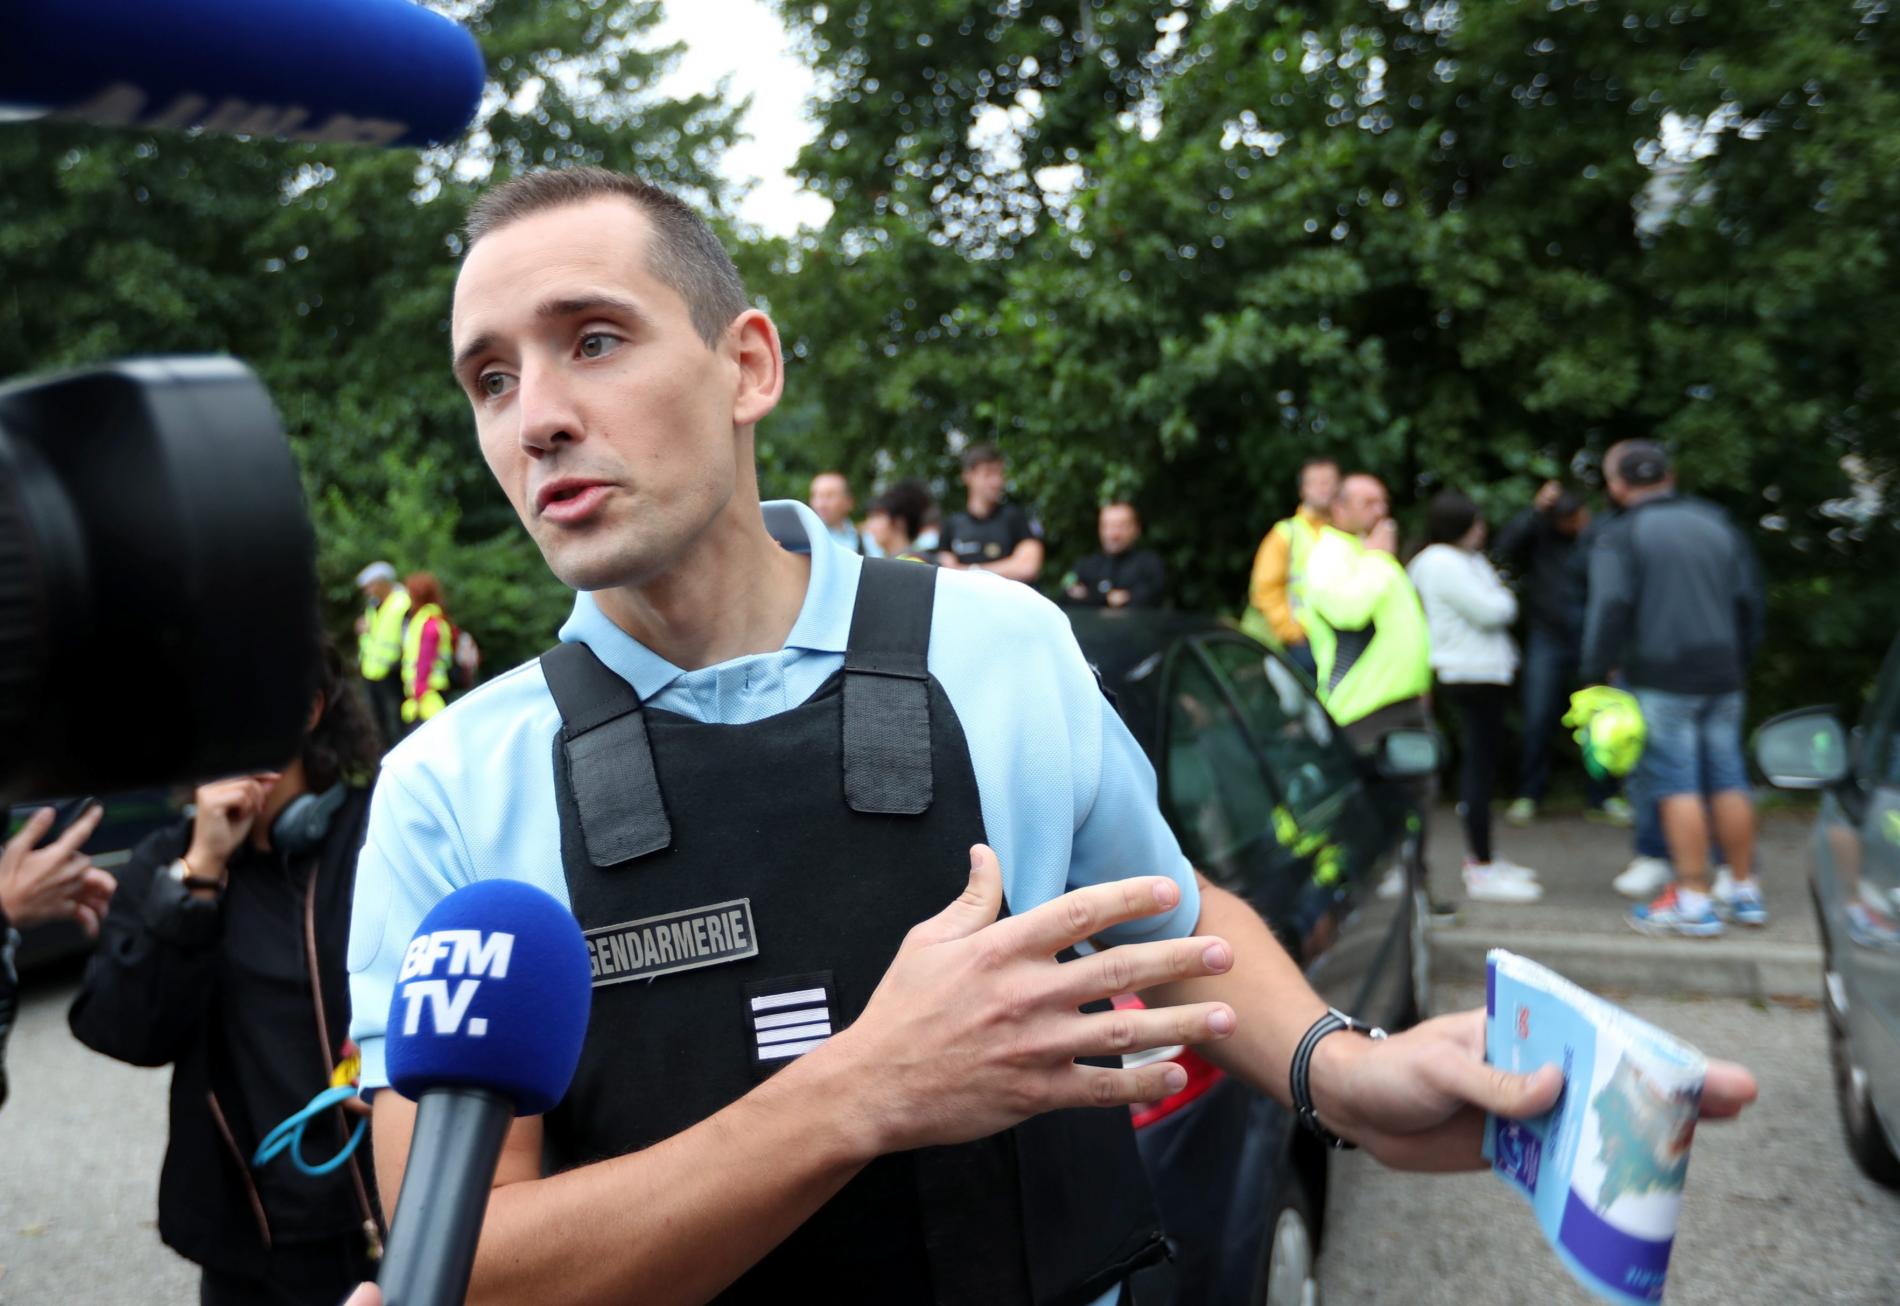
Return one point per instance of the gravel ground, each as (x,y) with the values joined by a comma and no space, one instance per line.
(1774,1212)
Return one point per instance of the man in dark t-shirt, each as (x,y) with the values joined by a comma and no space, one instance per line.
(995,536)
(1121,575)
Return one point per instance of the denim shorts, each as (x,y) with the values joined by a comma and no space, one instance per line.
(1694,744)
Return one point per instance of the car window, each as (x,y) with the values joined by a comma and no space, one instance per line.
(1880,740)
(1314,774)
(1222,803)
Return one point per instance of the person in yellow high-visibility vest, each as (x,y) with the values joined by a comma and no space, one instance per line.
(1276,592)
(428,648)
(379,644)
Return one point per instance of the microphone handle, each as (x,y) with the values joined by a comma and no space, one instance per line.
(445,1187)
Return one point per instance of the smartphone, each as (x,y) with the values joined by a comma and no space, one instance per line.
(65,812)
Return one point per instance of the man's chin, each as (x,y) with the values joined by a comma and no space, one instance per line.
(590,570)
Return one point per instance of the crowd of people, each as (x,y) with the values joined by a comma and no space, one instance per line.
(1388,645)
(992,533)
(409,653)
(1662,596)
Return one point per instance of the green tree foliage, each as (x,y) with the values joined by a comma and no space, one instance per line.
(1466,244)
(329,270)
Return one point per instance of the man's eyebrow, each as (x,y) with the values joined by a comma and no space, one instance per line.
(550,310)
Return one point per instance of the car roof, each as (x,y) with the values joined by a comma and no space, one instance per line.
(1128,649)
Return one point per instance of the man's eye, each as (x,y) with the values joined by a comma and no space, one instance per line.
(493,384)
(596,344)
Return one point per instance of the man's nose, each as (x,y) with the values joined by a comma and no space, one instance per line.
(545,403)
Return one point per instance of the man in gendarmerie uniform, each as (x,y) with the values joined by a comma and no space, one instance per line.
(991,533)
(788,798)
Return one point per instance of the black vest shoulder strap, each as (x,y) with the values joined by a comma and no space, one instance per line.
(887,690)
(608,758)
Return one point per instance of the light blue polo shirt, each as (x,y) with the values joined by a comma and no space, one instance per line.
(1068,796)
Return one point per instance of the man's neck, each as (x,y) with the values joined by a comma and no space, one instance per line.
(734,592)
(1635,498)
(980,510)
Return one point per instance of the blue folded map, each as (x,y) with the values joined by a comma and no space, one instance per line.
(1604,1168)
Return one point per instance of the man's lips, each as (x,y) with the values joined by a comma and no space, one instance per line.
(570,498)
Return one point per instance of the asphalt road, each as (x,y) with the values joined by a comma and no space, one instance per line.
(81,1137)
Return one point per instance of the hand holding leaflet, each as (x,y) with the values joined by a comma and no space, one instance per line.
(1604,1168)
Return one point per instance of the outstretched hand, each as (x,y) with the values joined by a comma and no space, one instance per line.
(1417,1100)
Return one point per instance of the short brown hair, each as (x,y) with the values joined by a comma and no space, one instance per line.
(685,254)
(979,453)
(424,589)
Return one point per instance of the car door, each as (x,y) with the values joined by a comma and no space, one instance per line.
(1270,801)
(1857,868)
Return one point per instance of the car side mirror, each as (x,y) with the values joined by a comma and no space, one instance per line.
(1803,749)
(1408,754)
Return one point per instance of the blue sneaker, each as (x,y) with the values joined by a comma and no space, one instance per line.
(1665,916)
(1741,902)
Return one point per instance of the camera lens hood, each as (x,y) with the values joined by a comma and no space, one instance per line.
(158,613)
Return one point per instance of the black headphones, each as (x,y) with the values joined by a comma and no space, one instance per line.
(305,822)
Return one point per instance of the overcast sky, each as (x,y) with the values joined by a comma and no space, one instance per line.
(743,39)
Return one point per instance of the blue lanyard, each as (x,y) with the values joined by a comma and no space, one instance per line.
(289,1134)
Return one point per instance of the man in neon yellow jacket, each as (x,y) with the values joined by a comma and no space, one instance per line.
(1376,667)
(379,644)
(1374,655)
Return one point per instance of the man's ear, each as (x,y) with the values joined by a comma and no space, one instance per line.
(755,343)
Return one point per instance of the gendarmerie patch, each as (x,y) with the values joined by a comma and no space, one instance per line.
(675,941)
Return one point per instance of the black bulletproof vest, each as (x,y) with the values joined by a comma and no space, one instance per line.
(743,889)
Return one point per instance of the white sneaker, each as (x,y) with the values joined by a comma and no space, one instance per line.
(1724,883)
(1644,878)
(1505,866)
(1486,883)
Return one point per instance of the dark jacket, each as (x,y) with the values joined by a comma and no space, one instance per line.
(1675,599)
(220,990)
(1139,571)
(1551,573)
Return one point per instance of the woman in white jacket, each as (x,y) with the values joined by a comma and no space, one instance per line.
(1470,612)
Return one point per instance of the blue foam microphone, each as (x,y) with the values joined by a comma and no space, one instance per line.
(376,72)
(486,1024)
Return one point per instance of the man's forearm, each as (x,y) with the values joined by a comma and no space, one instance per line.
(1271,998)
(1024,563)
(679,1221)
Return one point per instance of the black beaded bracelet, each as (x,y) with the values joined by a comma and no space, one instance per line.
(1331,1023)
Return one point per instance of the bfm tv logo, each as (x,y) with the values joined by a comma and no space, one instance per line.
(467,954)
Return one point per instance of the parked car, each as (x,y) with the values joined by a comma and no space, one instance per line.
(1856,888)
(128,819)
(1270,801)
